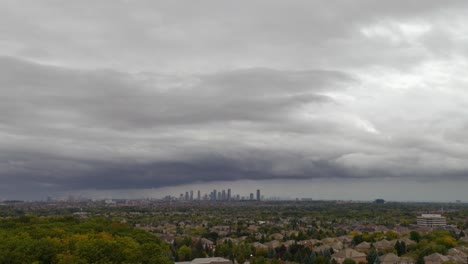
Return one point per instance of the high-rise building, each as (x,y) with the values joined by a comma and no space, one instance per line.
(251,196)
(258,194)
(229,194)
(191,195)
(186,196)
(223,195)
(218,198)
(198,195)
(214,195)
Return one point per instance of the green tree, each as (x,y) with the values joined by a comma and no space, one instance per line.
(68,259)
(309,259)
(377,260)
(390,235)
(357,239)
(275,261)
(415,236)
(349,261)
(397,248)
(321,260)
(99,250)
(372,255)
(184,253)
(152,253)
(240,258)
(260,260)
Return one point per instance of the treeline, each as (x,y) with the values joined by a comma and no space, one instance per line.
(67,240)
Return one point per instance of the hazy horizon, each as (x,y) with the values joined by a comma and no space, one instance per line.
(347,99)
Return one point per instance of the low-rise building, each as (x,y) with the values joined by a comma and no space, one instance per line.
(351,254)
(384,245)
(431,220)
(389,258)
(435,258)
(207,261)
(363,247)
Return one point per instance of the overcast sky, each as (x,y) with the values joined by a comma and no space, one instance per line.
(327,99)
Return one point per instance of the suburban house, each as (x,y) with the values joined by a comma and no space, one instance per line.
(208,244)
(384,244)
(349,253)
(363,247)
(389,258)
(435,258)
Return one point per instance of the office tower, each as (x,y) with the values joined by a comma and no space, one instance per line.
(251,196)
(258,194)
(238,197)
(191,195)
(219,196)
(214,195)
(198,195)
(223,195)
(186,196)
(229,194)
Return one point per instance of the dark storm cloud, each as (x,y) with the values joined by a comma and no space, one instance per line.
(57,118)
(56,173)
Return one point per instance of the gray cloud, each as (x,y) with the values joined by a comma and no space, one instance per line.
(122,94)
(163,36)
(34,93)
(58,117)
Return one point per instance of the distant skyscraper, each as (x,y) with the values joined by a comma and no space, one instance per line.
(219,196)
(198,195)
(186,196)
(223,195)
(258,194)
(214,195)
(191,195)
(251,196)
(229,194)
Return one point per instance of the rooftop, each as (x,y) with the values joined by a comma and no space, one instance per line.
(431,215)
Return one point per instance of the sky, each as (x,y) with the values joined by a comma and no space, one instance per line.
(330,99)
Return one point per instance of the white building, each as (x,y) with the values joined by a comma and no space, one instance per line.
(207,261)
(431,220)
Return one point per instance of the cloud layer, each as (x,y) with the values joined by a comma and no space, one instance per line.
(119,94)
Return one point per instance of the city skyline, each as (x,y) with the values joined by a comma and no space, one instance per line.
(223,194)
(327,100)
(281,191)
